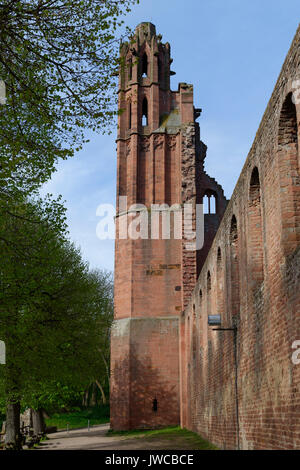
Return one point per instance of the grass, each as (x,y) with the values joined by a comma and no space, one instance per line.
(79,418)
(189,438)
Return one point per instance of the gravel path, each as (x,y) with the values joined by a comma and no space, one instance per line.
(97,439)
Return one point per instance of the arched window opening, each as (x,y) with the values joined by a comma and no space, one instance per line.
(289,178)
(194,337)
(288,132)
(145,112)
(208,282)
(233,232)
(219,256)
(208,288)
(220,284)
(235,278)
(213,204)
(205,205)
(255,229)
(209,203)
(145,65)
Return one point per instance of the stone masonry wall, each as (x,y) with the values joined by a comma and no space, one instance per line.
(251,278)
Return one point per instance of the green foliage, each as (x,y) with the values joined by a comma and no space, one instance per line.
(58,60)
(55,314)
(79,418)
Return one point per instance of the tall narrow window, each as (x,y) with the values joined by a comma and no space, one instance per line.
(145,112)
(145,65)
(205,205)
(209,203)
(208,292)
(288,155)
(194,333)
(220,284)
(155,405)
(213,204)
(255,229)
(219,256)
(234,261)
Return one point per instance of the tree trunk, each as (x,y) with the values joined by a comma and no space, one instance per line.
(13,389)
(85,398)
(106,367)
(102,392)
(12,434)
(38,422)
(93,400)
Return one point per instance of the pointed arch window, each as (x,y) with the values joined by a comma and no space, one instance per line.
(194,333)
(289,178)
(220,284)
(208,282)
(208,293)
(209,203)
(255,228)
(145,112)
(219,257)
(234,261)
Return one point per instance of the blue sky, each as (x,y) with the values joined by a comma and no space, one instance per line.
(232,51)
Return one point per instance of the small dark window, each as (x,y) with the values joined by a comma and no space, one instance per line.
(155,405)
(145,65)
(208,281)
(145,112)
(219,256)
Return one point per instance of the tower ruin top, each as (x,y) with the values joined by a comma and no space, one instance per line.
(145,31)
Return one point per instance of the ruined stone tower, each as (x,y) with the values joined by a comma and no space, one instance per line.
(160,161)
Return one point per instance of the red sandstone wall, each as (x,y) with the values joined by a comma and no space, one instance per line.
(145,368)
(251,277)
(159,162)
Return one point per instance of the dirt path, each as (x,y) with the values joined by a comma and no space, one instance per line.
(97,439)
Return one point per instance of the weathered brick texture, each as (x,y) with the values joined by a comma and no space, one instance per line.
(251,278)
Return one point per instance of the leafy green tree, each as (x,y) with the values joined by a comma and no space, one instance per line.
(84,358)
(30,236)
(58,59)
(104,304)
(55,315)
